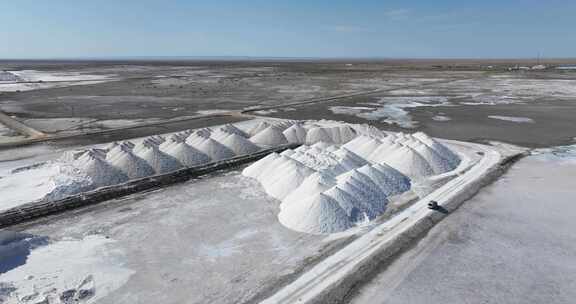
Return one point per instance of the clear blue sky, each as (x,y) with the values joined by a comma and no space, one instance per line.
(297,28)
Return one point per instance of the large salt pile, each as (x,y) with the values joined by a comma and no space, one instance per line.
(215,150)
(160,161)
(442,150)
(318,134)
(295,134)
(187,155)
(270,136)
(317,213)
(238,144)
(325,188)
(258,128)
(133,166)
(233,130)
(100,172)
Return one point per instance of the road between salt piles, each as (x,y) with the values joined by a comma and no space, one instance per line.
(330,280)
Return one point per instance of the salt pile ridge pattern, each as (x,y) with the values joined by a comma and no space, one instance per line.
(324,188)
(118,162)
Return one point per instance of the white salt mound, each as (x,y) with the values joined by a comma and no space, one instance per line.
(285,178)
(259,127)
(437,163)
(160,161)
(409,163)
(231,129)
(239,145)
(100,172)
(312,185)
(318,134)
(131,165)
(187,155)
(295,134)
(452,158)
(215,150)
(271,136)
(318,214)
(145,143)
(256,169)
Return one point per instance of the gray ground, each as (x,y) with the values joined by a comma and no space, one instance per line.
(152,91)
(513,243)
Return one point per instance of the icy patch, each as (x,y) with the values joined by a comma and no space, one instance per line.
(67,271)
(441,118)
(512,118)
(392,110)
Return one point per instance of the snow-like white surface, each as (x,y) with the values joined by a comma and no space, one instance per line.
(353,182)
(27,80)
(512,118)
(85,268)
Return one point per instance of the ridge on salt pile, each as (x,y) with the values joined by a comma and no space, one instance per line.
(259,127)
(160,161)
(343,134)
(125,145)
(256,169)
(219,135)
(271,136)
(232,129)
(239,145)
(187,155)
(409,163)
(320,160)
(383,151)
(371,190)
(71,156)
(295,134)
(437,163)
(146,142)
(391,184)
(315,183)
(111,146)
(368,130)
(363,146)
(131,165)
(170,141)
(452,158)
(99,171)
(196,138)
(348,203)
(317,214)
(215,150)
(318,134)
(363,199)
(286,175)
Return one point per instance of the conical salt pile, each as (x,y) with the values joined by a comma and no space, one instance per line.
(133,166)
(146,142)
(256,169)
(409,163)
(295,134)
(215,150)
(100,172)
(186,155)
(312,185)
(344,134)
(364,200)
(317,214)
(350,160)
(286,177)
(389,186)
(160,161)
(318,134)
(232,129)
(437,163)
(398,180)
(270,136)
(196,138)
(383,151)
(239,145)
(170,141)
(258,128)
(123,146)
(452,158)
(346,202)
(111,146)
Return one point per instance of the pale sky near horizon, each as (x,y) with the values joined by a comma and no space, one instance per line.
(298,28)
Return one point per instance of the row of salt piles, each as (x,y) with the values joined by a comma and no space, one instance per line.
(326,189)
(269,134)
(417,156)
(84,170)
